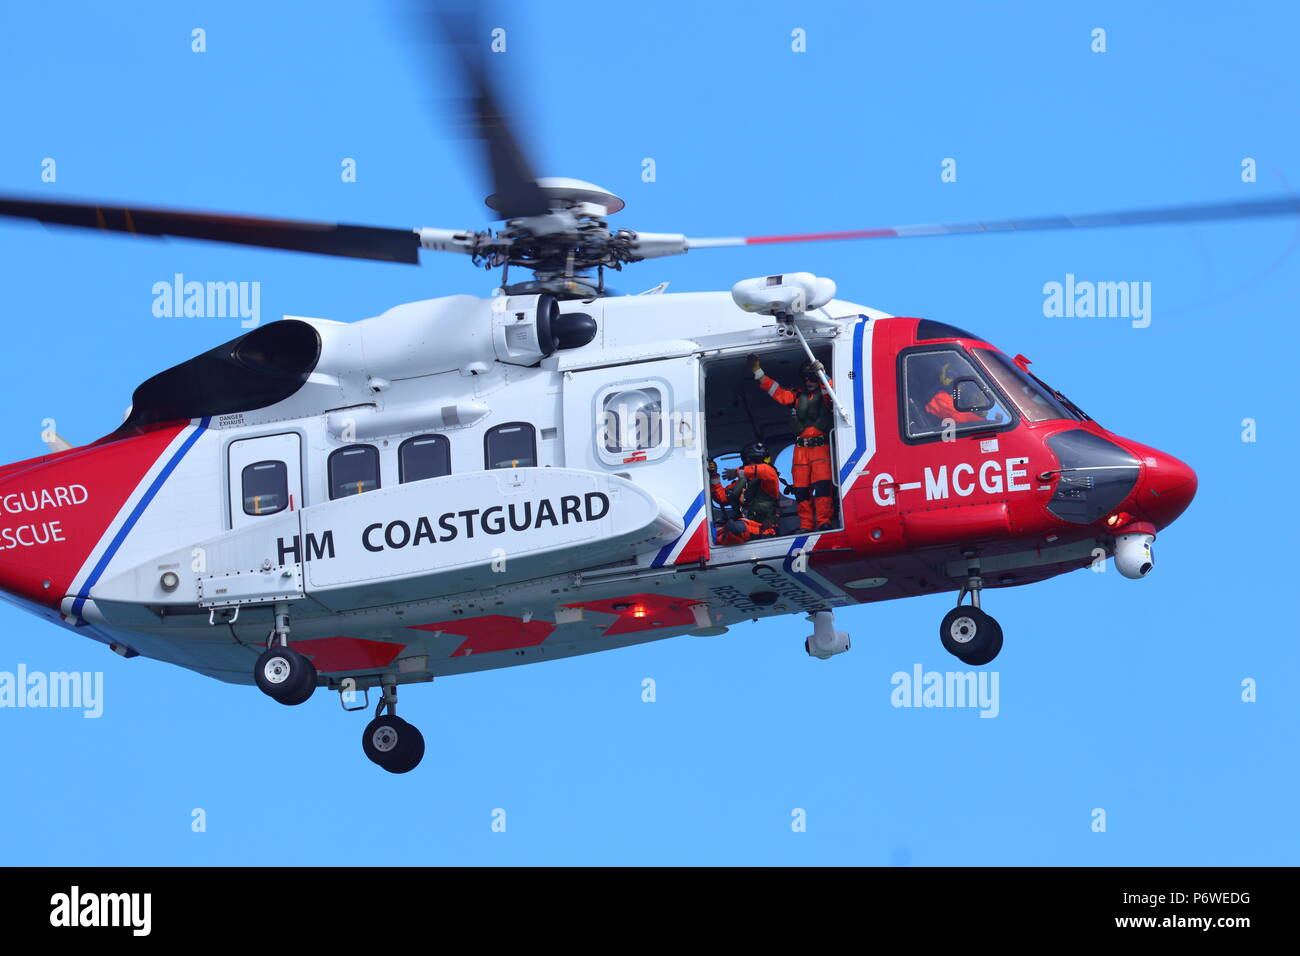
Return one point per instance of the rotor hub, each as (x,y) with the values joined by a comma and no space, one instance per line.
(575,195)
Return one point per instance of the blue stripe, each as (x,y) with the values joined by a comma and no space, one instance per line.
(667,549)
(132,518)
(859,402)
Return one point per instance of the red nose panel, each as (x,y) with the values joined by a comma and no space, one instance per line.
(54,510)
(1167,488)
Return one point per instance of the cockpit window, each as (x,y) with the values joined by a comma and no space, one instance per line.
(1035,402)
(929,329)
(944,394)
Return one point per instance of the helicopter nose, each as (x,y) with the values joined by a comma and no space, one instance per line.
(1168,486)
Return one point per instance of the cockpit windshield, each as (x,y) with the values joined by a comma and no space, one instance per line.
(1035,399)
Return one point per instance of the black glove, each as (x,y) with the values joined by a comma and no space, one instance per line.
(730,474)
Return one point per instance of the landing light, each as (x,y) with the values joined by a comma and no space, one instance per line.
(633,610)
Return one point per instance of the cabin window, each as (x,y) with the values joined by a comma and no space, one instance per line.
(265,487)
(1034,402)
(631,419)
(513,445)
(943,394)
(425,456)
(353,470)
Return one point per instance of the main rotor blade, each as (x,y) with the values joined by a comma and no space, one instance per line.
(1251,209)
(515,192)
(322,238)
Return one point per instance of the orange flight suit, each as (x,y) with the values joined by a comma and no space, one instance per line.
(814,489)
(941,407)
(756,492)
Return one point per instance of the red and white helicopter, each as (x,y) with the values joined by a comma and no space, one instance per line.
(467,483)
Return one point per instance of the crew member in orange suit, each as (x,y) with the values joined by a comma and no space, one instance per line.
(811,470)
(754,496)
(941,405)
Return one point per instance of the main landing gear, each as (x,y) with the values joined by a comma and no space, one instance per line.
(281,672)
(967,633)
(390,741)
(287,676)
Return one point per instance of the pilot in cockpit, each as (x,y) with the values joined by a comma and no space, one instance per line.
(941,404)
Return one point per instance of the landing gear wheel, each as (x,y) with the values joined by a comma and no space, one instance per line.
(307,688)
(393,744)
(970,635)
(285,675)
(990,652)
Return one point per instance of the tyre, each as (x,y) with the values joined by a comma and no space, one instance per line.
(306,687)
(393,744)
(970,635)
(284,675)
(990,652)
(412,751)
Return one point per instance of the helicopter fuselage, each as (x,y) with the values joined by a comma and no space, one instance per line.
(463,484)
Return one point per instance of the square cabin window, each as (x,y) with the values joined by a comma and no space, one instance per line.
(353,470)
(424,456)
(265,487)
(513,445)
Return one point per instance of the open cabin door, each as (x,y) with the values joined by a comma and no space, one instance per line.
(265,475)
(642,422)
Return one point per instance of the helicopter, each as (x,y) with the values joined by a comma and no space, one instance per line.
(469,482)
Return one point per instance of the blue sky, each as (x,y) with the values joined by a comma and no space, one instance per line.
(1115,694)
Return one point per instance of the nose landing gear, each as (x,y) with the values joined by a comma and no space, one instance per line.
(966,632)
(390,741)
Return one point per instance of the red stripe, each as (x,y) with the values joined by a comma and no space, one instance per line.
(819,236)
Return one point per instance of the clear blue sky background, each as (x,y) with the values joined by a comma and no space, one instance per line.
(1115,694)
